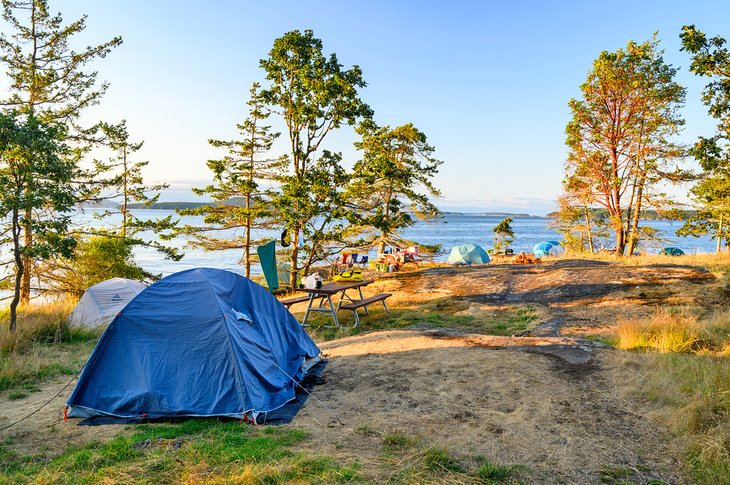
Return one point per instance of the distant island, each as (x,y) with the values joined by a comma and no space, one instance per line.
(195,205)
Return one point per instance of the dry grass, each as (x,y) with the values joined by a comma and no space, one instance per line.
(43,347)
(690,380)
(676,330)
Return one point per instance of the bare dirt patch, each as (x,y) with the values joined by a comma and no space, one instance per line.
(567,423)
(45,434)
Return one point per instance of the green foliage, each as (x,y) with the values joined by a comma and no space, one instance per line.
(711,58)
(190,451)
(46,75)
(503,235)
(393,180)
(314,95)
(492,473)
(241,200)
(96,259)
(35,180)
(47,80)
(124,182)
(619,138)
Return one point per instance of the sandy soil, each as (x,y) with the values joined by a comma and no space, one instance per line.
(562,407)
(45,434)
(566,422)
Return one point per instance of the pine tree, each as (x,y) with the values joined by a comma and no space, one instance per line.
(711,58)
(125,183)
(392,183)
(48,80)
(35,178)
(239,192)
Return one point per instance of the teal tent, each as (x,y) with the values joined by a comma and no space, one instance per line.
(267,258)
(672,252)
(468,254)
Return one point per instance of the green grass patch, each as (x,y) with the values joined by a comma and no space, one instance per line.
(442,313)
(191,451)
(493,473)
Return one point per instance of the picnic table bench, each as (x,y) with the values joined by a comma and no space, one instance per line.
(291,301)
(354,305)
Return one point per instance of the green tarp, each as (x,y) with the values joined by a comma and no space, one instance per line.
(267,258)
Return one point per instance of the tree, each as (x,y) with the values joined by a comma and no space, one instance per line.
(503,234)
(393,181)
(96,259)
(620,136)
(711,58)
(240,196)
(47,79)
(125,183)
(35,178)
(314,95)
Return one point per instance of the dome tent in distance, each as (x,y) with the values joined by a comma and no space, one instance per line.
(202,342)
(101,302)
(468,254)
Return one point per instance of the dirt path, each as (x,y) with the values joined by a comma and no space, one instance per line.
(45,434)
(567,423)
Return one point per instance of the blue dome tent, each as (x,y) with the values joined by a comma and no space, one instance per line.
(548,248)
(468,254)
(672,252)
(202,342)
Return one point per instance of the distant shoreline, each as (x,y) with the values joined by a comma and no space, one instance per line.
(195,205)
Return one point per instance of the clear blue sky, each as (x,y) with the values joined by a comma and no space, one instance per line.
(488,82)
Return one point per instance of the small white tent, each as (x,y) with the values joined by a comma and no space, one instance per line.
(101,302)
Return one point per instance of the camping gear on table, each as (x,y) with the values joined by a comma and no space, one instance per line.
(353,275)
(468,254)
(670,251)
(267,258)
(314,280)
(201,342)
(101,302)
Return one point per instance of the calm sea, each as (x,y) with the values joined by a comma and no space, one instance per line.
(450,231)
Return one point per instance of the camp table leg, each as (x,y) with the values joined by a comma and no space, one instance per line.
(359,288)
(309,306)
(334,312)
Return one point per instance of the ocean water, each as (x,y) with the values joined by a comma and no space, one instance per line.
(449,231)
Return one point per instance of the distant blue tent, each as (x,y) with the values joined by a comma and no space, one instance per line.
(468,254)
(202,342)
(548,248)
(672,252)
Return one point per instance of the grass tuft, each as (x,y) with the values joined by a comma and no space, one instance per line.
(43,347)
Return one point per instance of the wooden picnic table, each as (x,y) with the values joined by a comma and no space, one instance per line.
(326,293)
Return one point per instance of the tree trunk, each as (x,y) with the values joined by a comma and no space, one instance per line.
(634,233)
(125,211)
(19,273)
(718,235)
(294,257)
(588,230)
(27,262)
(247,243)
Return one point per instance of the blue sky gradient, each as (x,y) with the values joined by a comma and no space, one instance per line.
(488,82)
